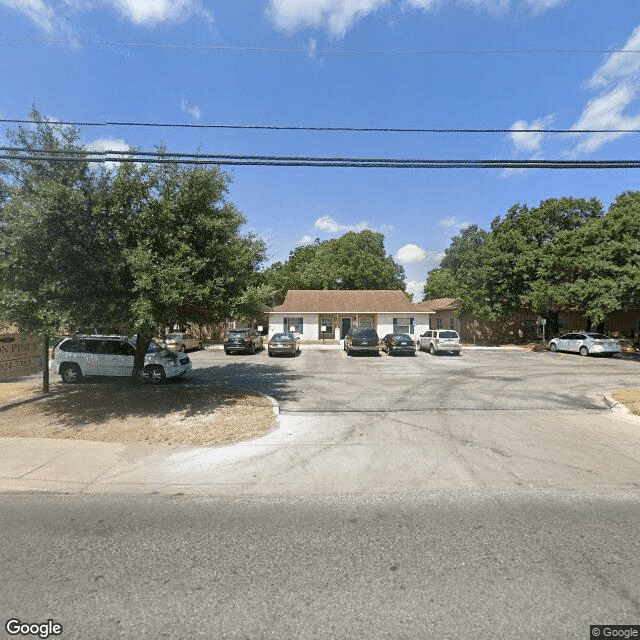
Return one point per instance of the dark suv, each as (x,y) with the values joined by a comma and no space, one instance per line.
(361,339)
(242,340)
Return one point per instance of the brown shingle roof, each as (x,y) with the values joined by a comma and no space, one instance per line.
(438,304)
(321,301)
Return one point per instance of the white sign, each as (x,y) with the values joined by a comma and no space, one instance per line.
(324,329)
(543,321)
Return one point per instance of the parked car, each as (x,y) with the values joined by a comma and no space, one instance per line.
(96,355)
(284,343)
(440,340)
(394,343)
(361,339)
(242,340)
(181,342)
(586,343)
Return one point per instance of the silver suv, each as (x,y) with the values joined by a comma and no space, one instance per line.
(80,356)
(438,340)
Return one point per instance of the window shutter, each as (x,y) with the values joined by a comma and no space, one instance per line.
(411,326)
(395,325)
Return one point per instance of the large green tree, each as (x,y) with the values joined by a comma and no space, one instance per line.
(493,273)
(141,245)
(353,261)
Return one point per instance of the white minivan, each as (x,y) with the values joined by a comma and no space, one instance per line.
(80,356)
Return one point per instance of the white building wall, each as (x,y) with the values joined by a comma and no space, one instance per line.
(309,324)
(311,328)
(385,323)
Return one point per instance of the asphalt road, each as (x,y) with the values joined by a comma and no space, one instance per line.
(485,565)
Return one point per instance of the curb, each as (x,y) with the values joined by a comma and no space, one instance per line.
(618,407)
(274,403)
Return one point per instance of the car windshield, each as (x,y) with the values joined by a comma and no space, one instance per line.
(364,333)
(238,334)
(282,337)
(448,334)
(598,336)
(401,336)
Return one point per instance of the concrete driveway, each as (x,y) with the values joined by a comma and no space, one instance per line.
(492,418)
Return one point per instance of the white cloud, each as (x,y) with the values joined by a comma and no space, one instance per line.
(620,65)
(38,11)
(411,253)
(152,12)
(139,12)
(416,287)
(304,240)
(338,16)
(193,110)
(529,143)
(327,223)
(452,222)
(108,144)
(607,112)
(618,79)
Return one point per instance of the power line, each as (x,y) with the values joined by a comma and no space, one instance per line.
(316,52)
(275,127)
(39,155)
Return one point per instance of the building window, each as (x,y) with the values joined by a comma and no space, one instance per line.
(365,322)
(439,323)
(452,322)
(293,325)
(403,325)
(327,323)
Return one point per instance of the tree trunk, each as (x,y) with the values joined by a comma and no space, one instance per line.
(143,340)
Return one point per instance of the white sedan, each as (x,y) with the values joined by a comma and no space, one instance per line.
(586,343)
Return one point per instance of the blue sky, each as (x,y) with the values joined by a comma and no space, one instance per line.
(485,64)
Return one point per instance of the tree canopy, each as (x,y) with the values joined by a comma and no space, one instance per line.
(140,245)
(564,252)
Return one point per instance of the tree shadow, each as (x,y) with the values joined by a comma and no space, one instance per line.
(97,400)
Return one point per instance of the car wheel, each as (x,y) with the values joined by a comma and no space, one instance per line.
(155,374)
(270,354)
(432,350)
(71,373)
(553,346)
(348,350)
(584,351)
(227,351)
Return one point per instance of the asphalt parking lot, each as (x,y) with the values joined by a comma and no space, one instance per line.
(509,378)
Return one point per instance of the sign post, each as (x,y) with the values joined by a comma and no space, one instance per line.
(45,368)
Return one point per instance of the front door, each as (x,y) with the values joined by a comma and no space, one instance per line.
(344,327)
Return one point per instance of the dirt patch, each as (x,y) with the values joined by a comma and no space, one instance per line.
(630,398)
(122,411)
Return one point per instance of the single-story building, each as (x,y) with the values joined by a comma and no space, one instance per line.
(445,312)
(318,314)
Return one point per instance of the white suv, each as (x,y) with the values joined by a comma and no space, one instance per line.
(81,356)
(436,340)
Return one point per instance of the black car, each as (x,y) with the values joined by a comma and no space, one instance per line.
(242,340)
(361,339)
(394,343)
